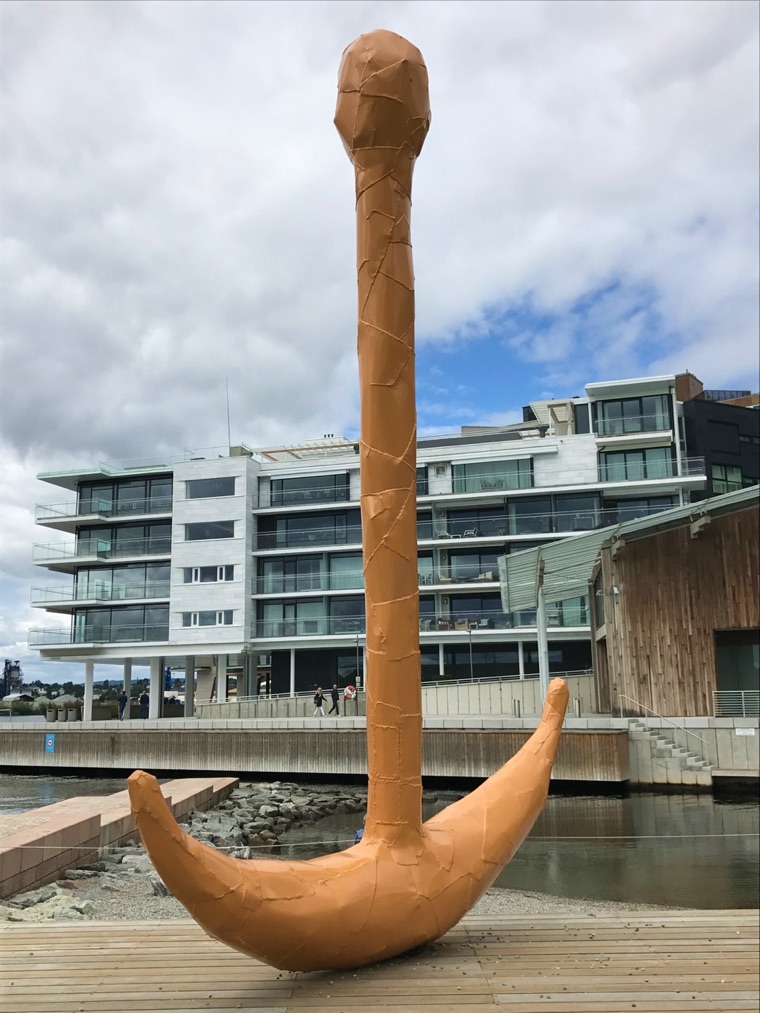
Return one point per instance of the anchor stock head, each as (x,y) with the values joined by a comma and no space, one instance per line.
(383,99)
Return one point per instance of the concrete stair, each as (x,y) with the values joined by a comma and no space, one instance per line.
(670,763)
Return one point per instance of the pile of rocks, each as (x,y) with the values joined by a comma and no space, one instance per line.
(249,822)
(255,815)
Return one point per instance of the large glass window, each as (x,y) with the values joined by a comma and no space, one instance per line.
(489,476)
(292,618)
(347,615)
(477,611)
(576,513)
(125,540)
(633,415)
(531,515)
(130,496)
(616,511)
(636,465)
(346,572)
(468,567)
(726,478)
(297,573)
(310,489)
(472,523)
(425,569)
(422,480)
(310,529)
(208,488)
(209,529)
(424,526)
(135,623)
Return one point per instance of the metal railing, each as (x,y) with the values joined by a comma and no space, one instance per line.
(61,595)
(148,633)
(102,549)
(450,622)
(739,703)
(681,728)
(656,422)
(103,508)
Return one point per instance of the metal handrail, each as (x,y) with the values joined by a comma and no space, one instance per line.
(308,693)
(736,703)
(683,728)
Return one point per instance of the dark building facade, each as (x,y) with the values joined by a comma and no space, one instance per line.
(728,437)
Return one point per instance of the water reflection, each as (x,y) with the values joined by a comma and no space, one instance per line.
(20,793)
(674,850)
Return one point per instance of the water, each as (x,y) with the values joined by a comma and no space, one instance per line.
(673,850)
(19,792)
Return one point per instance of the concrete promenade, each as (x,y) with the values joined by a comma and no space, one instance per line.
(36,846)
(695,753)
(653,962)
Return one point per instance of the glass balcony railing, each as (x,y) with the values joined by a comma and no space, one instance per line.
(103,508)
(346,580)
(99,592)
(102,549)
(149,633)
(306,494)
(658,422)
(310,538)
(457,622)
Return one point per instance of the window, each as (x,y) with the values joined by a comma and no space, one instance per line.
(531,515)
(346,572)
(208,574)
(422,480)
(633,415)
(208,617)
(616,511)
(493,475)
(208,488)
(298,573)
(440,471)
(126,540)
(209,529)
(121,625)
(636,465)
(310,489)
(726,478)
(132,496)
(310,529)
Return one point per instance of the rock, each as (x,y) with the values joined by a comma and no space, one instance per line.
(159,888)
(63,906)
(88,873)
(39,896)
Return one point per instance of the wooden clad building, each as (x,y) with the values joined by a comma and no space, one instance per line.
(676,610)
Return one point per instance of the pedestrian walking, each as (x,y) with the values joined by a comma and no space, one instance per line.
(319,703)
(144,704)
(123,701)
(335,701)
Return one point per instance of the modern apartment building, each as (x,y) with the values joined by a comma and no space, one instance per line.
(217,561)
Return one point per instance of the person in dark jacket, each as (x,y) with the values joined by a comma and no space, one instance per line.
(144,704)
(319,700)
(123,701)
(335,702)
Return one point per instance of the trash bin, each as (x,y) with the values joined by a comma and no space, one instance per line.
(73,714)
(62,714)
(51,714)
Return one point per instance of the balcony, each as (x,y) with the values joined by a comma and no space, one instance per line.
(153,633)
(658,422)
(471,623)
(309,539)
(67,556)
(66,516)
(346,580)
(63,598)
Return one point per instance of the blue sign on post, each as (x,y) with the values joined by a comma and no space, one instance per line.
(50,743)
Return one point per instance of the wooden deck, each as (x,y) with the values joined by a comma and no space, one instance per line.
(668,962)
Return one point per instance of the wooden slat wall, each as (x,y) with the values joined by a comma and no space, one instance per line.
(674,592)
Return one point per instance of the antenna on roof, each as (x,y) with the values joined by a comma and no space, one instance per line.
(227,385)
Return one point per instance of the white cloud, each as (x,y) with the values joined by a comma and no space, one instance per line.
(178,210)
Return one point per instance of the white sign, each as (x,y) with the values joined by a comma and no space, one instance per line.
(745,731)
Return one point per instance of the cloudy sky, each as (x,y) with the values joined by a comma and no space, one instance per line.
(178,211)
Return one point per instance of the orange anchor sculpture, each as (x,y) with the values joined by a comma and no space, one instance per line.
(407,882)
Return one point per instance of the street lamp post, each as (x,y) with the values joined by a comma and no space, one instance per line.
(469,631)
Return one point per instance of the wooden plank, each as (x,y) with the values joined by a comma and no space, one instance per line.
(681,964)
